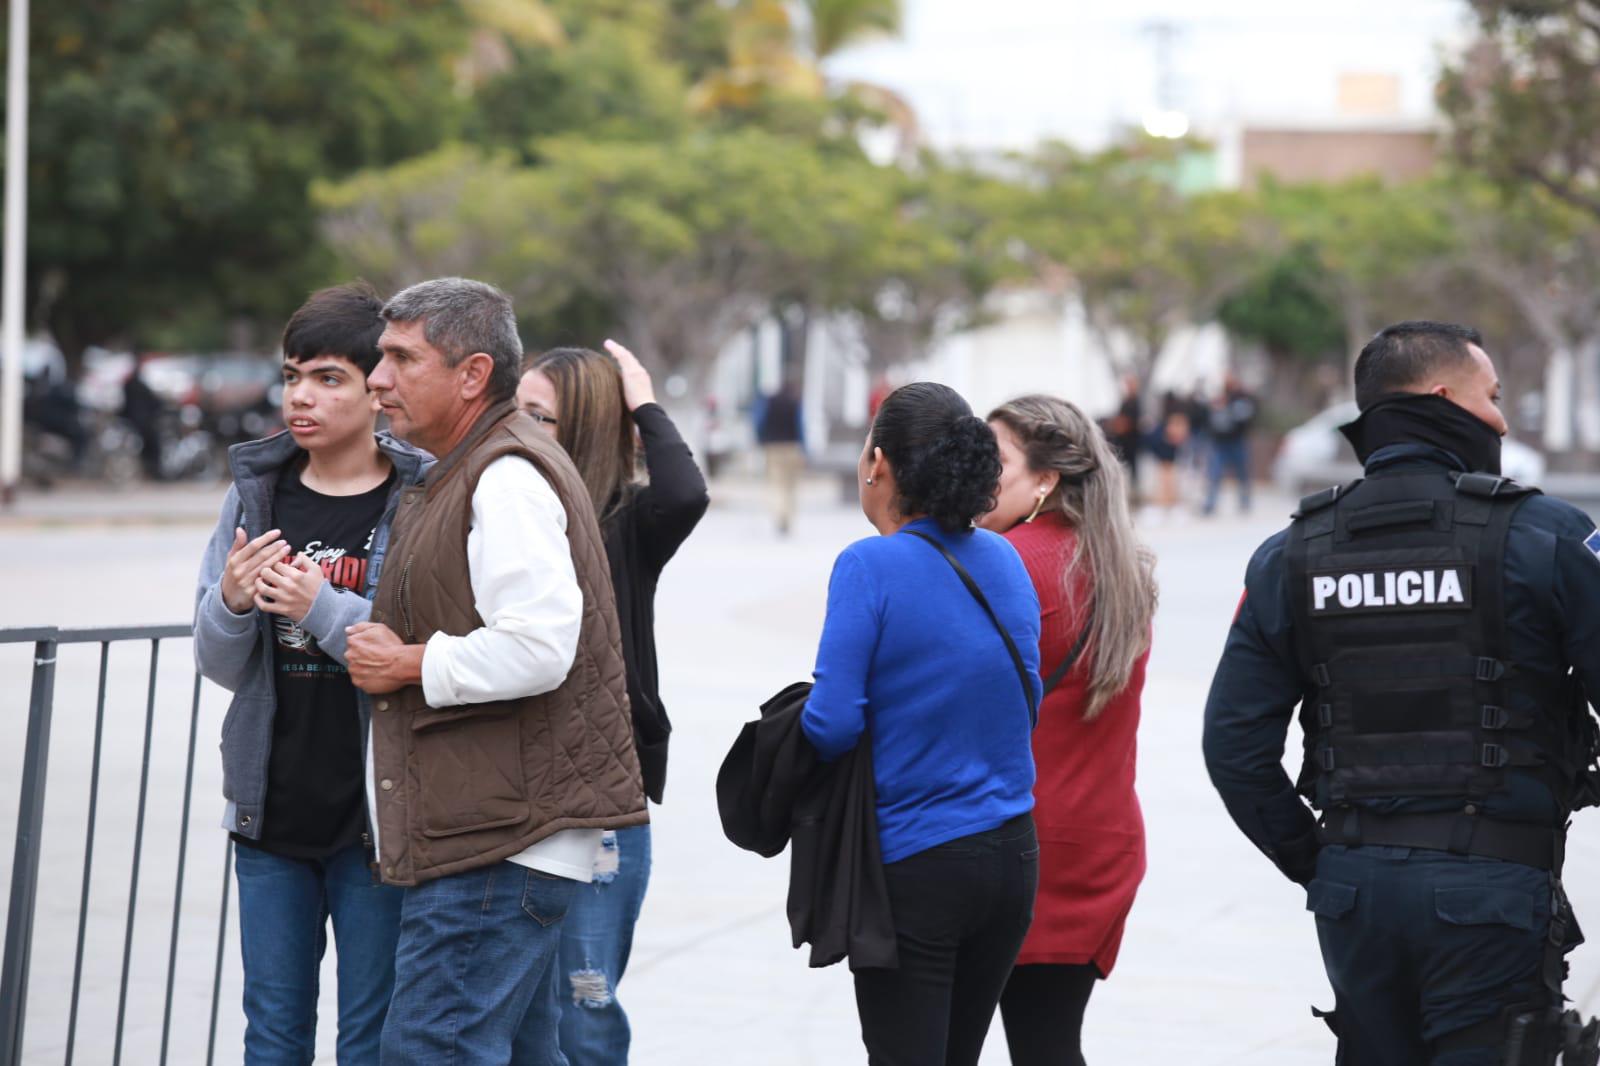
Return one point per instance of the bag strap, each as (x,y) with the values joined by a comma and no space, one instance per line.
(977,594)
(1059,674)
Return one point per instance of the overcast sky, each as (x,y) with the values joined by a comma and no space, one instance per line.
(1005,73)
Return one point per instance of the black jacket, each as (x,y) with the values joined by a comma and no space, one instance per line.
(773,787)
(641,535)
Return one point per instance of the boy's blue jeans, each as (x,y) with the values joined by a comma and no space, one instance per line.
(284,908)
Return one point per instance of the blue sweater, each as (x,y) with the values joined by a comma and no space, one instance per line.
(910,657)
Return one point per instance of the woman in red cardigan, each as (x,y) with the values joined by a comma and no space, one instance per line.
(1062,503)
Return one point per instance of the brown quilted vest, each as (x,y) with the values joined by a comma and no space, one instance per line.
(463,787)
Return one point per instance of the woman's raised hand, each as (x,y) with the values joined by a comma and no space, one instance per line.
(636,387)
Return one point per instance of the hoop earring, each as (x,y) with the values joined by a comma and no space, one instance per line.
(1037,507)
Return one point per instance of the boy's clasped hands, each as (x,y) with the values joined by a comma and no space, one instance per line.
(260,573)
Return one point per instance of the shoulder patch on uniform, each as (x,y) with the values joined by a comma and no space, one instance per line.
(1592,542)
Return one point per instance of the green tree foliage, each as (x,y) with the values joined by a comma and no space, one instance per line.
(1284,308)
(689,240)
(928,248)
(173,144)
(1384,251)
(620,73)
(1142,256)
(1525,104)
(837,24)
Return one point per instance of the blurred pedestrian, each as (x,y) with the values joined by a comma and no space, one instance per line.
(1195,454)
(592,404)
(52,407)
(1232,415)
(501,746)
(881,388)
(781,434)
(1125,429)
(1063,505)
(294,558)
(920,658)
(143,410)
(1165,444)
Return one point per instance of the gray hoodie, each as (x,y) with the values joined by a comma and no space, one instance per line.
(235,650)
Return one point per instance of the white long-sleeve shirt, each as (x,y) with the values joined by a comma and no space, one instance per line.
(526,591)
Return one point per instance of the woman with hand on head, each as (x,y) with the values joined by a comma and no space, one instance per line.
(592,404)
(911,663)
(1063,504)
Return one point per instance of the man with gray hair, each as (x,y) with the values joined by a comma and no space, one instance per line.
(501,741)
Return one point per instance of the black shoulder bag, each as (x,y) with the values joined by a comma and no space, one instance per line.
(1059,674)
(977,594)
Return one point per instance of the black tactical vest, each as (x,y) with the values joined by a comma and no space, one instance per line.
(1396,585)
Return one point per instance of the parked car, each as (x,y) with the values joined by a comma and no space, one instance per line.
(1315,455)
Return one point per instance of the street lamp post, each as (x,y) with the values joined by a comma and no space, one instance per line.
(15,256)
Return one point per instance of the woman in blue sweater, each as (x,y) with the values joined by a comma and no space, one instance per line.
(911,663)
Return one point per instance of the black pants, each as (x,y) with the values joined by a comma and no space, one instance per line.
(961,911)
(1421,944)
(1042,1008)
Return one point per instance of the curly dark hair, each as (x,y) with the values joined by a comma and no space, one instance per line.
(945,460)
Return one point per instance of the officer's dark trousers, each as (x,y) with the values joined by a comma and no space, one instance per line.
(1419,944)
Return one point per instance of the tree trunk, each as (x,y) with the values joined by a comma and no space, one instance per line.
(1357,325)
(642,341)
(1558,401)
(1587,390)
(889,344)
(794,321)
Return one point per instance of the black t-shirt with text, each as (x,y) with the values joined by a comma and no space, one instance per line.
(316,802)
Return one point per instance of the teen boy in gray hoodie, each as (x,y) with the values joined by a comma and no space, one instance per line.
(294,560)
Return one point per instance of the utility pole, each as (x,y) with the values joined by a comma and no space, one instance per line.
(1166,118)
(15,260)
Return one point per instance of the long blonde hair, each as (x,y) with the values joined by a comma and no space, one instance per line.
(1092,495)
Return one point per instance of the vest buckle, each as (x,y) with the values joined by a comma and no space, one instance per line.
(1494,717)
(1325,759)
(1490,669)
(1319,674)
(1495,756)
(1325,715)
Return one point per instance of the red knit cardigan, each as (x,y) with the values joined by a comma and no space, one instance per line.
(1091,831)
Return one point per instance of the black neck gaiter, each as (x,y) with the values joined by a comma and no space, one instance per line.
(1407,418)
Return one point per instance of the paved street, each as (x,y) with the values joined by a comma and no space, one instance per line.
(1220,962)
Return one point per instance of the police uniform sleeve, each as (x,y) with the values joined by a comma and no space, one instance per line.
(1576,586)
(1253,697)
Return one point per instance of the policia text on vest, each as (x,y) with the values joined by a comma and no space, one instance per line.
(1341,591)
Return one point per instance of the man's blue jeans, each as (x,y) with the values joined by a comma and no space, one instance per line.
(475,971)
(595,942)
(284,907)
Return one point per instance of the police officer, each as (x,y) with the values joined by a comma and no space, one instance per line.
(1437,626)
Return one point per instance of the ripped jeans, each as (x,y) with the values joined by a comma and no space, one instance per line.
(595,941)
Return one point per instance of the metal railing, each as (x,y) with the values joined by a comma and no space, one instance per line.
(19,932)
